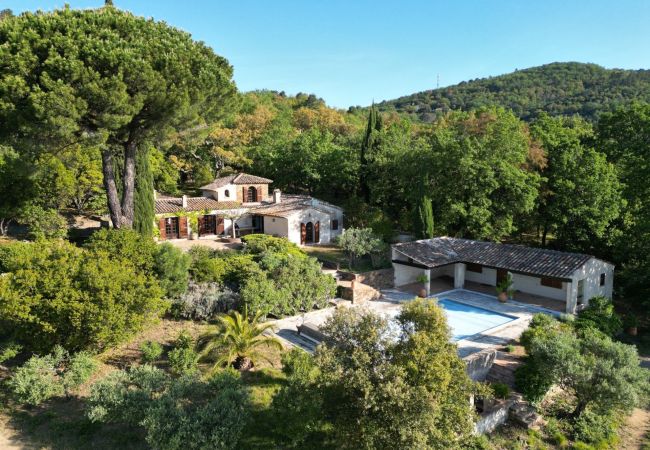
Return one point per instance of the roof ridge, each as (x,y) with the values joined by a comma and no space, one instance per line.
(239,175)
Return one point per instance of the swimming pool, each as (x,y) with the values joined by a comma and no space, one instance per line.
(466,320)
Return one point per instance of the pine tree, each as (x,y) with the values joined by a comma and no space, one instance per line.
(143,197)
(369,146)
(425,215)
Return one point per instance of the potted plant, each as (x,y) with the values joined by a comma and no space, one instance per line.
(424,280)
(504,289)
(631,323)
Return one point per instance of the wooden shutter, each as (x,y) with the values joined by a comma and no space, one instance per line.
(317,232)
(303,233)
(220,226)
(201,226)
(244,195)
(182,227)
(161,227)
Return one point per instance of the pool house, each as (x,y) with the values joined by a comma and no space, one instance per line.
(555,280)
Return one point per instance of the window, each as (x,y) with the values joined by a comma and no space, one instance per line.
(251,196)
(335,224)
(551,282)
(226,193)
(602,279)
(474,268)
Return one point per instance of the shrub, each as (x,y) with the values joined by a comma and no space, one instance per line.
(37,380)
(291,285)
(509,348)
(183,360)
(501,390)
(44,223)
(9,350)
(202,301)
(358,242)
(601,316)
(79,368)
(175,414)
(58,373)
(171,266)
(594,428)
(80,299)
(531,382)
(151,351)
(262,243)
(127,245)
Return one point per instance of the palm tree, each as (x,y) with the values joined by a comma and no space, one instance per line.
(238,340)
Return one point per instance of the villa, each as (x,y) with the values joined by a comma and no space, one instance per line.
(241,204)
(556,280)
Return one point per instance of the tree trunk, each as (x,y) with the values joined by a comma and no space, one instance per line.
(544,233)
(243,363)
(4,226)
(129,185)
(114,207)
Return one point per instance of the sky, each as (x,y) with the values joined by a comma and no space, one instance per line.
(354,52)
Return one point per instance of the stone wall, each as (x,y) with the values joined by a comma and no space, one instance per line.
(378,279)
(358,292)
(498,415)
(480,363)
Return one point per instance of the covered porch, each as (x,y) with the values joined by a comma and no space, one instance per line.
(445,282)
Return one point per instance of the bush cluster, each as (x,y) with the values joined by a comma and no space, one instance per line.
(203,301)
(174,413)
(55,374)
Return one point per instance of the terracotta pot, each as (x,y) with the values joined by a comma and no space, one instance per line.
(423,293)
(632,331)
(503,297)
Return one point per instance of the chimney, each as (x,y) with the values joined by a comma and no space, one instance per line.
(155,195)
(277,196)
(184,201)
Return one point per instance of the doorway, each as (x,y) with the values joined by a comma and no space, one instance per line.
(171,228)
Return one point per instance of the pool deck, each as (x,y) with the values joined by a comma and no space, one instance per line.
(392,301)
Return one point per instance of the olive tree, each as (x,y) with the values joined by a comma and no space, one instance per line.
(107,78)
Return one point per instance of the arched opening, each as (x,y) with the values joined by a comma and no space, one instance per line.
(226,193)
(251,196)
(309,233)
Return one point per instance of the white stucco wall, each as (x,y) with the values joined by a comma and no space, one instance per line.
(314,215)
(487,276)
(533,285)
(406,274)
(220,193)
(590,273)
(276,226)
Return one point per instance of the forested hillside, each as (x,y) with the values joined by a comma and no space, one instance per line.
(557,88)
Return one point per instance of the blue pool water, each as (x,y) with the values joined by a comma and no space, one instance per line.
(465,320)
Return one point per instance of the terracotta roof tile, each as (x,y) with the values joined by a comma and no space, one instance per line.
(169,205)
(517,258)
(238,178)
(291,204)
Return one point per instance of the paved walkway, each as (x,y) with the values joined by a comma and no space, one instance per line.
(391,303)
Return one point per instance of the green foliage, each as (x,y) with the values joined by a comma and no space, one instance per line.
(151,351)
(599,429)
(578,222)
(79,298)
(602,375)
(55,374)
(369,149)
(16,185)
(260,243)
(358,242)
(509,348)
(557,89)
(425,216)
(292,284)
(143,201)
(183,360)
(365,386)
(9,350)
(171,266)
(237,340)
(481,162)
(43,223)
(501,390)
(126,245)
(128,73)
(600,315)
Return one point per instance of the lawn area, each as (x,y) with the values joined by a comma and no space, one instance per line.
(62,422)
